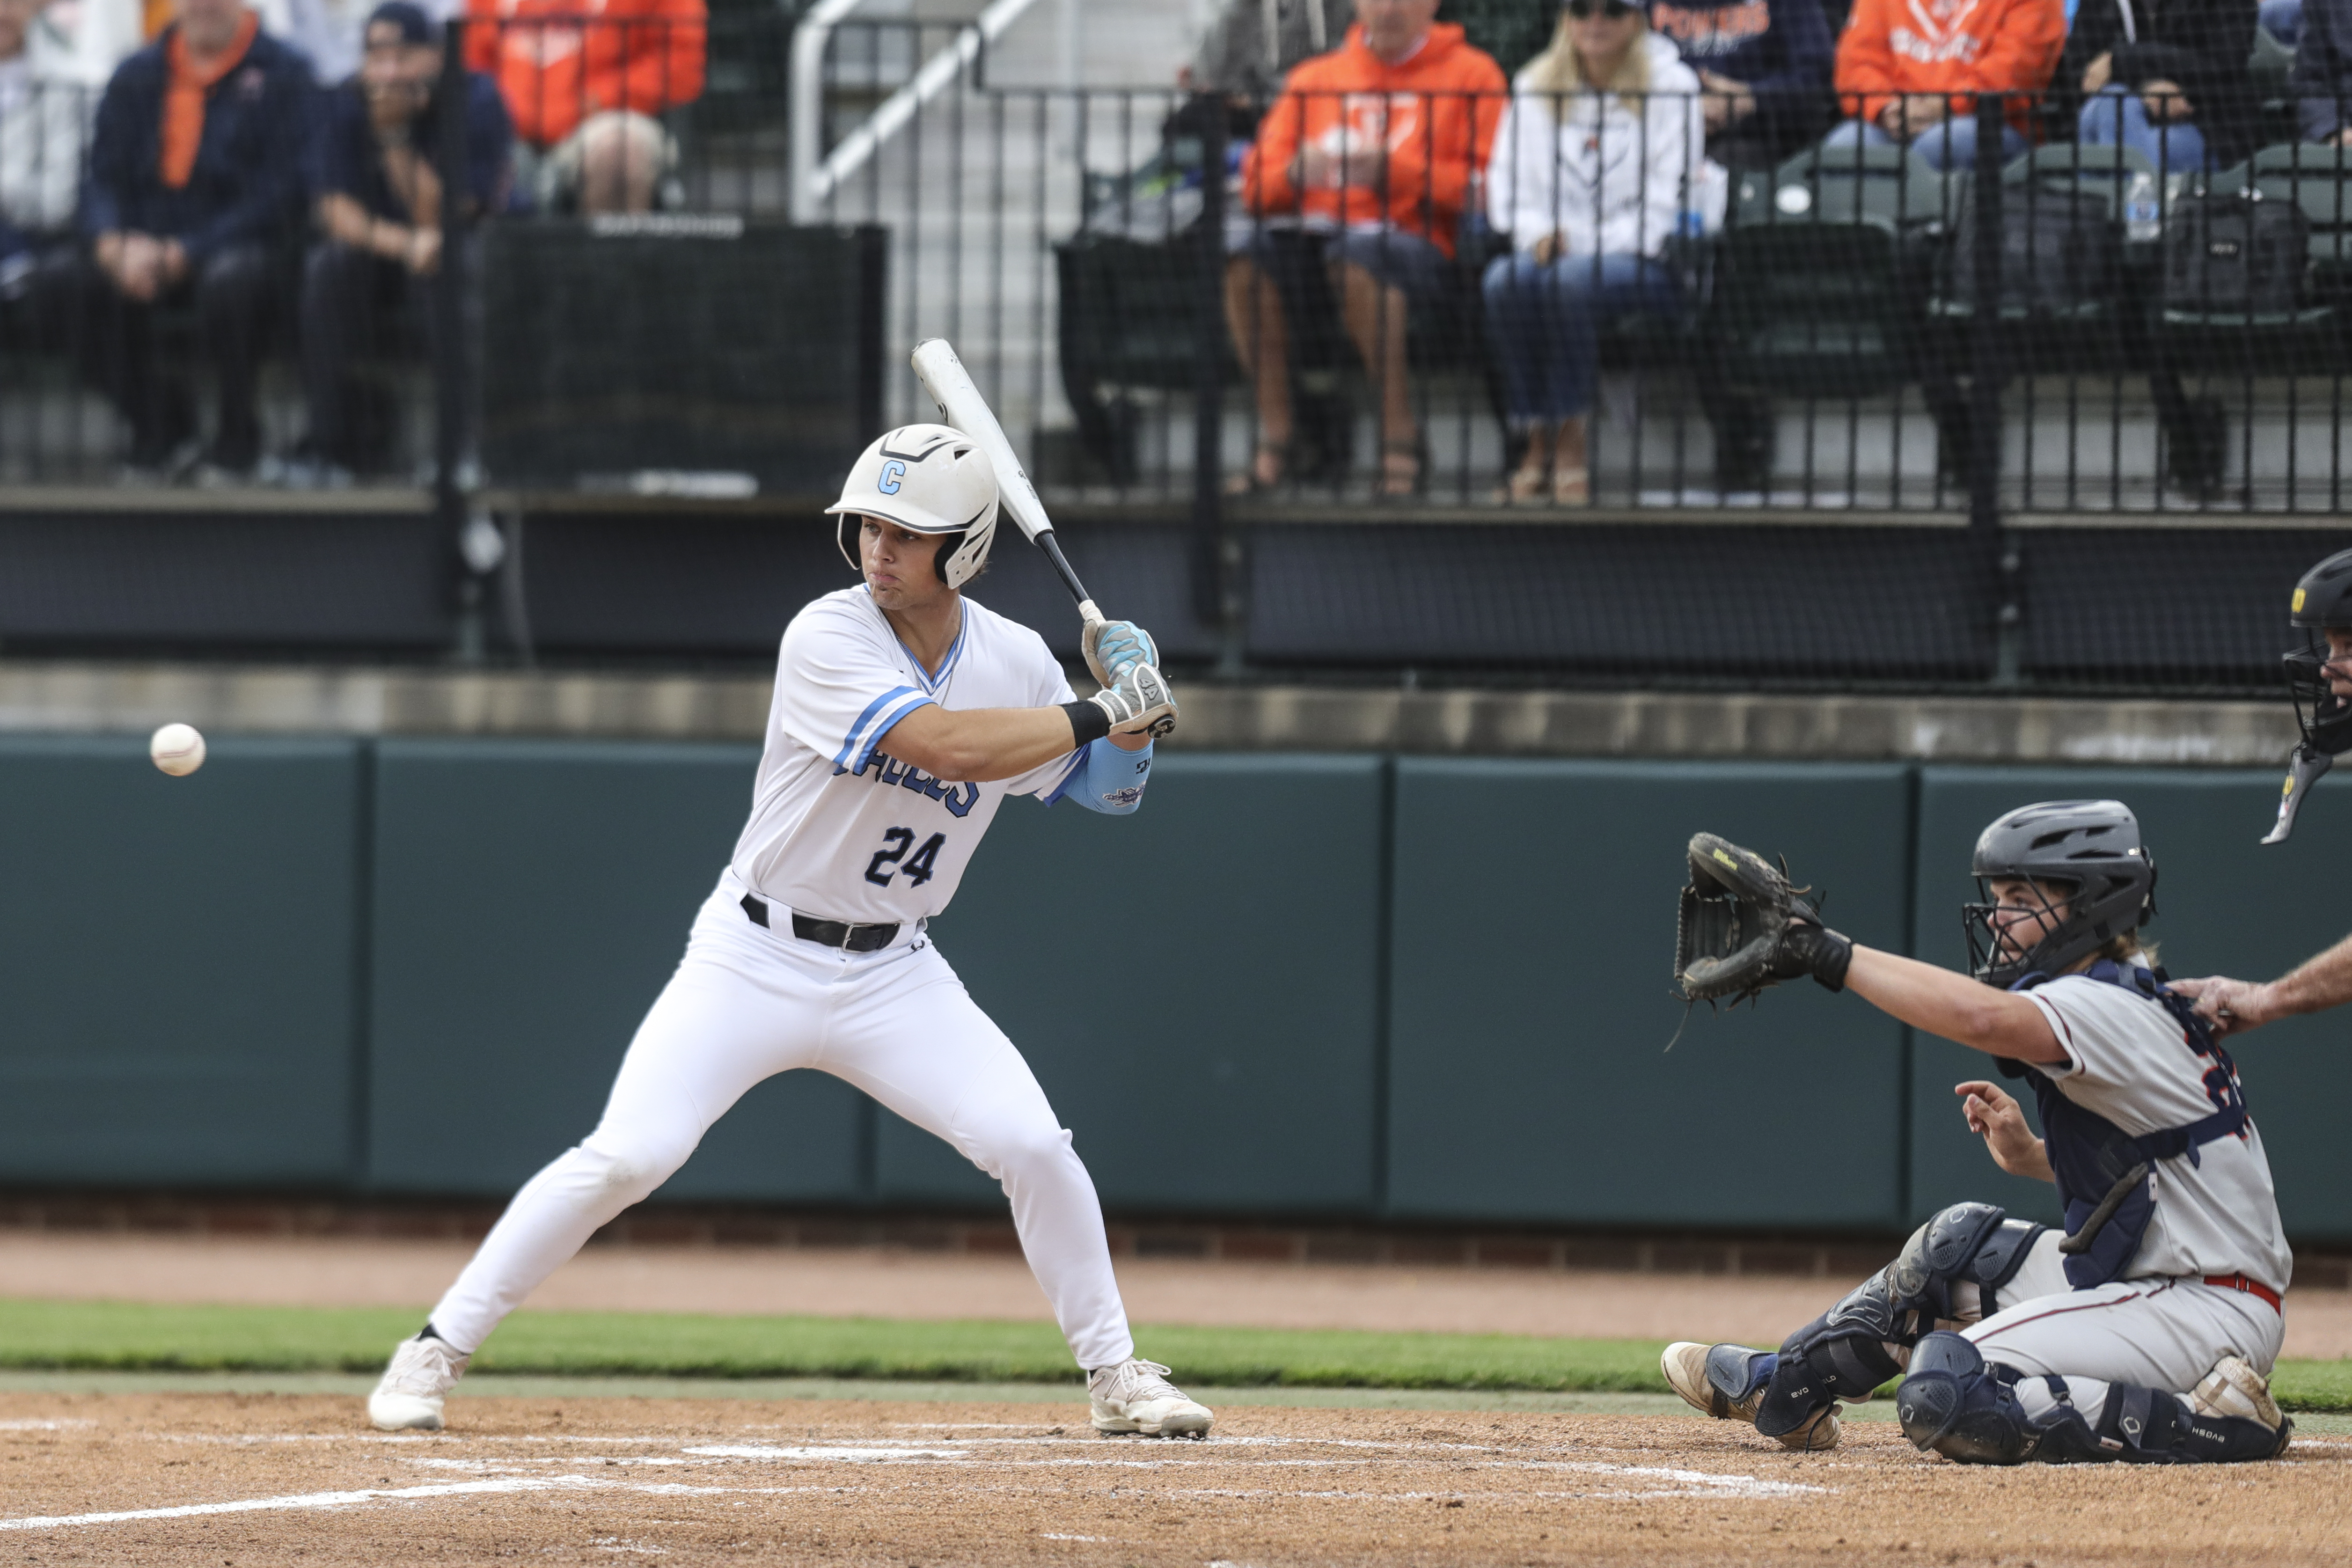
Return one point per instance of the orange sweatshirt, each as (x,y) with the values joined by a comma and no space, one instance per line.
(1954,46)
(559,61)
(1436,114)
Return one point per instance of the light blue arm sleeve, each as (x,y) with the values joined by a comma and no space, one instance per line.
(1107,779)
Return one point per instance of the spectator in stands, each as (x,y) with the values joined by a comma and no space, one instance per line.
(585,82)
(1253,44)
(193,193)
(2321,79)
(1765,65)
(2171,80)
(1372,148)
(1909,70)
(44,116)
(378,202)
(1587,178)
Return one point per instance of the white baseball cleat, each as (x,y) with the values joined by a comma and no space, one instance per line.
(2234,1388)
(1135,1396)
(422,1373)
(1733,1393)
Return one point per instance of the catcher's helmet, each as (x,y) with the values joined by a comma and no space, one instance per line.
(927,478)
(2323,598)
(2092,847)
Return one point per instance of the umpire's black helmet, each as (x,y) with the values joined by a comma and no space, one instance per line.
(2323,598)
(2093,848)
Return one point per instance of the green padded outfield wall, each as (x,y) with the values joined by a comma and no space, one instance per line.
(2224,905)
(180,959)
(1196,986)
(532,898)
(1533,922)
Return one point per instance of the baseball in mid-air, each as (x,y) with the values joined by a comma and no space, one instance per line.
(177,749)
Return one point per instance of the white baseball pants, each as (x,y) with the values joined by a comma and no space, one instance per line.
(2157,1334)
(747,1002)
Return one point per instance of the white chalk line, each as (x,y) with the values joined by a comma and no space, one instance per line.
(37,1425)
(352,1499)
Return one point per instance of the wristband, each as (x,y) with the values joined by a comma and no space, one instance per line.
(1088,722)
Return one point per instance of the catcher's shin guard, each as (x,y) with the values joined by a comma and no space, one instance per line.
(1966,1410)
(1849,1351)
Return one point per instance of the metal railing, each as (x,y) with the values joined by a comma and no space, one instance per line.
(1428,295)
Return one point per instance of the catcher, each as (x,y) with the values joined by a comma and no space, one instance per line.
(2146,1331)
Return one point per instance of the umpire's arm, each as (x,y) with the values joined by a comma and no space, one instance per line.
(2233,1007)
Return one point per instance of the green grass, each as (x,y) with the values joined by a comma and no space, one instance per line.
(137,1337)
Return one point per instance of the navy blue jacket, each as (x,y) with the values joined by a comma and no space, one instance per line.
(2322,78)
(246,187)
(345,159)
(1780,49)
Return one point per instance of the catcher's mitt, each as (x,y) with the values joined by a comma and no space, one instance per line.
(1742,929)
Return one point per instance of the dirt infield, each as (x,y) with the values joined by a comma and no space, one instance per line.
(225,1479)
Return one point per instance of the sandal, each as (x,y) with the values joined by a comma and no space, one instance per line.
(1527,485)
(1262,474)
(1571,487)
(1395,482)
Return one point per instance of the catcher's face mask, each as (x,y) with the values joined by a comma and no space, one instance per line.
(2016,917)
(2319,682)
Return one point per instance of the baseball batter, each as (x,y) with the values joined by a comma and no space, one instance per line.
(2147,1331)
(903,713)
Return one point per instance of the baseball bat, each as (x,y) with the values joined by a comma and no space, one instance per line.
(962,405)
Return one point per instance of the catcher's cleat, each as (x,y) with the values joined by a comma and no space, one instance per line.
(422,1373)
(1135,1396)
(2234,1388)
(1727,1383)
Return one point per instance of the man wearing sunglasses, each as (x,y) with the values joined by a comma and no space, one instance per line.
(2319,681)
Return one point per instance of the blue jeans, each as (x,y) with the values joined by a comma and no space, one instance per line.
(1950,145)
(1544,325)
(2118,114)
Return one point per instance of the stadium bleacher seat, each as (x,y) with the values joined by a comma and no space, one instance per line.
(2310,336)
(1819,277)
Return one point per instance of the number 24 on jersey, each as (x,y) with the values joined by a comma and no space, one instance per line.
(892,857)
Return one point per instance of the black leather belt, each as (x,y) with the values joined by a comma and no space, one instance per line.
(832,933)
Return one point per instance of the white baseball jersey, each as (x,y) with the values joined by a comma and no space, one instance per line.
(2128,1062)
(841,830)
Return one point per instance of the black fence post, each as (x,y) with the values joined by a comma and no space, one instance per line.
(1985,374)
(1223,545)
(452,354)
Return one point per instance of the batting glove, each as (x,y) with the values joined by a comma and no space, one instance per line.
(1139,702)
(1110,646)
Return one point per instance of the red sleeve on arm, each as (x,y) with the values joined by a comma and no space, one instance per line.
(665,57)
(1865,63)
(2023,49)
(1266,167)
(481,35)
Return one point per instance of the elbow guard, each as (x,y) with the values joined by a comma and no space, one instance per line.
(1107,779)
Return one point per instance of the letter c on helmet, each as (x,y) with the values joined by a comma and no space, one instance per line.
(892,472)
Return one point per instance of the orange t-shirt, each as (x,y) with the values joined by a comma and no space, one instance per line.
(559,61)
(1955,46)
(1435,111)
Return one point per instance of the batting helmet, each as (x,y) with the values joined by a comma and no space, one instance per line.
(927,478)
(2093,848)
(2323,598)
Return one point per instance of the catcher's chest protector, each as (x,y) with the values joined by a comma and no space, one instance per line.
(2106,1176)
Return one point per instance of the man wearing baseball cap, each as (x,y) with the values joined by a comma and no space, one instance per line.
(378,199)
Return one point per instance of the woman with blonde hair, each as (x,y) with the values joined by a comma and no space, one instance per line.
(1603,131)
